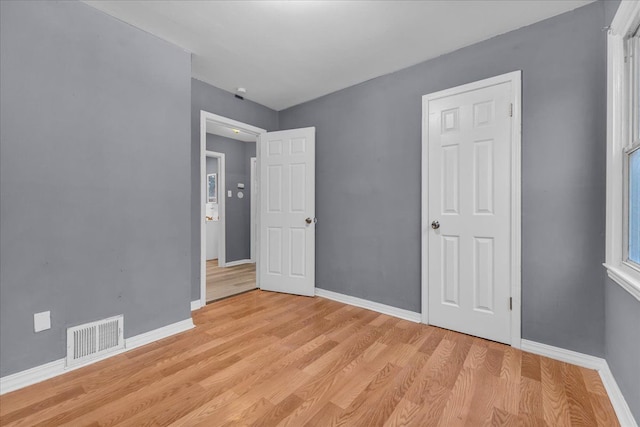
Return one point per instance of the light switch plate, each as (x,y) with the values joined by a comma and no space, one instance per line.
(42,321)
(229,193)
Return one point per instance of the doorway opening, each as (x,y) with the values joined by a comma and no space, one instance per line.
(229,199)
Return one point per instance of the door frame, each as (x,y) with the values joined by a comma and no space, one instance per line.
(205,117)
(253,204)
(516,199)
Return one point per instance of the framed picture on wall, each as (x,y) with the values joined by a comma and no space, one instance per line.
(212,188)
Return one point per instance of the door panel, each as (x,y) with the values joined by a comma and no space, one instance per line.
(287,240)
(469,194)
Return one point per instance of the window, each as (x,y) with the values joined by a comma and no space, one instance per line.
(623,148)
(632,154)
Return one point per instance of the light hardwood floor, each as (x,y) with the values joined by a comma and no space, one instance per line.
(227,281)
(269,359)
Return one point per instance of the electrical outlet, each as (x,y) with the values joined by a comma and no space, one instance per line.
(42,321)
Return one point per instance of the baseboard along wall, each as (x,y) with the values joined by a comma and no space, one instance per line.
(58,367)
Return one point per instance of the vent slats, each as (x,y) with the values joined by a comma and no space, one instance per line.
(91,340)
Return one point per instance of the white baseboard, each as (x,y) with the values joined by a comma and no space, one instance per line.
(58,367)
(563,355)
(625,417)
(195,305)
(158,334)
(31,376)
(411,316)
(238,262)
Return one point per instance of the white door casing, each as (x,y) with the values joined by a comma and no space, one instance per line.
(471,259)
(254,197)
(287,211)
(206,117)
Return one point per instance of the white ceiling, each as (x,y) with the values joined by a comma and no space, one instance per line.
(289,52)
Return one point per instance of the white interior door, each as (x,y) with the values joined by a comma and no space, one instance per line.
(286,259)
(469,208)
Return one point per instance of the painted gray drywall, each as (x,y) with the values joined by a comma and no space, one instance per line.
(368,163)
(238,211)
(623,342)
(610,9)
(94,177)
(217,101)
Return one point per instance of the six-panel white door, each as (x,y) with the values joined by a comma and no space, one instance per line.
(469,202)
(287,211)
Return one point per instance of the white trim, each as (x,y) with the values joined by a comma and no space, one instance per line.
(238,262)
(516,210)
(253,206)
(625,417)
(411,316)
(618,139)
(57,367)
(34,375)
(158,334)
(627,18)
(563,355)
(619,403)
(515,78)
(223,121)
(195,305)
(621,277)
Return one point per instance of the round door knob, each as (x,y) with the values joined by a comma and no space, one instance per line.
(435,225)
(308,220)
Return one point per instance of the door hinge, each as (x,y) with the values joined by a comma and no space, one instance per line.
(510,303)
(510,110)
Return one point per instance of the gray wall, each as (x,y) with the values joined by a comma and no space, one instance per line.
(94,177)
(623,342)
(368,175)
(238,211)
(217,101)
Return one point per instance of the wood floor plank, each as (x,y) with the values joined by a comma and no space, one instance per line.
(279,412)
(226,281)
(555,405)
(379,411)
(580,406)
(593,382)
(487,396)
(263,358)
(531,366)
(603,410)
(456,411)
(530,399)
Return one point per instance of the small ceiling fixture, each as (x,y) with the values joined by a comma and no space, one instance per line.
(240,92)
(235,130)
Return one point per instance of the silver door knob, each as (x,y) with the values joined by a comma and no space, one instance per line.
(435,225)
(308,220)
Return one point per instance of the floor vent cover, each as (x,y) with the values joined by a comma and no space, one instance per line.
(92,340)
